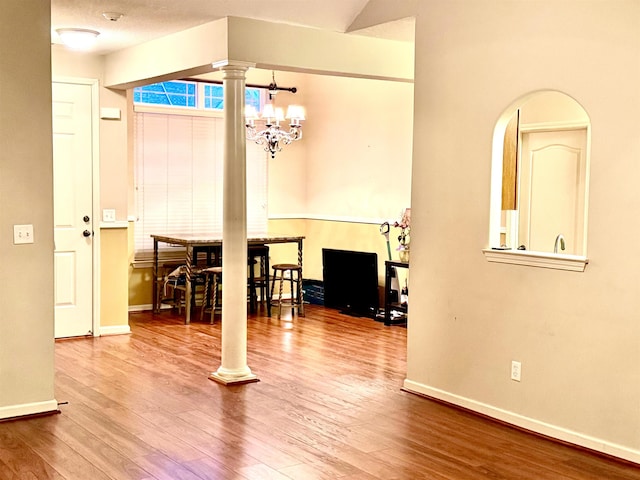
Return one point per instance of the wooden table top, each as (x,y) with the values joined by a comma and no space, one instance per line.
(216,238)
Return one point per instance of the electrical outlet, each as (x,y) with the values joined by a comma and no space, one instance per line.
(516,370)
(22,234)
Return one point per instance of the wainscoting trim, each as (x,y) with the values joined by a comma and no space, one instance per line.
(329,218)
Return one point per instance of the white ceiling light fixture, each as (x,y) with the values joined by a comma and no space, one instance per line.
(77,38)
(272,137)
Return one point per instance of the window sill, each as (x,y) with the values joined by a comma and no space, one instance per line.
(144,259)
(573,263)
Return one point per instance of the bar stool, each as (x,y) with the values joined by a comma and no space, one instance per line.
(280,273)
(213,280)
(258,254)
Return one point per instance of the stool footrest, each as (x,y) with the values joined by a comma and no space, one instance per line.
(286,302)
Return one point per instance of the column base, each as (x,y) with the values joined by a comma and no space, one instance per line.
(233,379)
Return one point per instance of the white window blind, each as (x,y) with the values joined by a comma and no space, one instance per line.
(178,178)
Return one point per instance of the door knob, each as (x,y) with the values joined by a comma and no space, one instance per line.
(86,233)
(86,218)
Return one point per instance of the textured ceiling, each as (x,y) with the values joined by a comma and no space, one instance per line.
(144,20)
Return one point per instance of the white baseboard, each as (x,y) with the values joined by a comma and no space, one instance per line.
(25,409)
(527,423)
(144,307)
(115,330)
(147,306)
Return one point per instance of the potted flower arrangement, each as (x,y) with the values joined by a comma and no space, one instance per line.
(404,238)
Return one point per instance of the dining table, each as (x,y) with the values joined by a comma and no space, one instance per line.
(191,242)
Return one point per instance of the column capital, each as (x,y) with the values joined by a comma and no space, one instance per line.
(232,65)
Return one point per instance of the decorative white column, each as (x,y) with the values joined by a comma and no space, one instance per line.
(234,368)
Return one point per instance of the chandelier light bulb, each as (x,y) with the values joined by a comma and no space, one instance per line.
(268,111)
(279,115)
(250,112)
(295,113)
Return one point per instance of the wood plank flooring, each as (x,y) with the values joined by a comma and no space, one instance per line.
(328,405)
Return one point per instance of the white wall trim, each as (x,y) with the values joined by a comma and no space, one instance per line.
(119,224)
(330,218)
(95,121)
(527,423)
(115,330)
(552,126)
(25,409)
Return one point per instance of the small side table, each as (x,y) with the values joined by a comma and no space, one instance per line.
(388,305)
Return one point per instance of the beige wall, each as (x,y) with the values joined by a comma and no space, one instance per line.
(358,139)
(354,162)
(551,107)
(318,50)
(576,334)
(364,237)
(26,190)
(139,279)
(113,284)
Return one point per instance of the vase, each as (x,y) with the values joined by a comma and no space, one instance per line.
(404,255)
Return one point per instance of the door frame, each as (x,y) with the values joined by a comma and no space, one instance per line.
(544,127)
(95,189)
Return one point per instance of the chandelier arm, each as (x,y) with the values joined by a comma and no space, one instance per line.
(296,132)
(272,137)
(286,138)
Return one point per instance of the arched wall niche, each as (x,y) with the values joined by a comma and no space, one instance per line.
(540,182)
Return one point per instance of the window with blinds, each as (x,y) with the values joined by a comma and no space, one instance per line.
(178,178)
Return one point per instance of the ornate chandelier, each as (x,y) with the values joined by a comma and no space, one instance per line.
(272,137)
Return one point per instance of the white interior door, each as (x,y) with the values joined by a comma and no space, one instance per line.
(553,183)
(73,208)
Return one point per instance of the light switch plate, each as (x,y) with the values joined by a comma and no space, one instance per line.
(108,215)
(22,234)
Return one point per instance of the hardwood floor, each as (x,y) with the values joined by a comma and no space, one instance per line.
(328,405)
